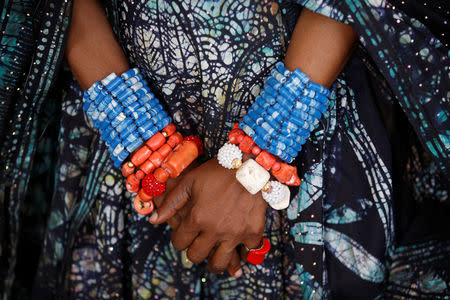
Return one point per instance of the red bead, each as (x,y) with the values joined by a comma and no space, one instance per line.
(144,196)
(156,141)
(132,184)
(265,159)
(236,125)
(153,187)
(256,150)
(174,139)
(197,142)
(141,155)
(257,256)
(161,175)
(140,174)
(165,150)
(143,207)
(147,167)
(156,158)
(169,129)
(180,158)
(276,166)
(127,169)
(236,136)
(287,174)
(246,144)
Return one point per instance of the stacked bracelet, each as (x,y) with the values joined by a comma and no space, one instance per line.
(284,114)
(131,121)
(164,155)
(125,112)
(278,123)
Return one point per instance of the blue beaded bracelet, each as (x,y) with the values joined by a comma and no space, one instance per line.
(287,110)
(125,112)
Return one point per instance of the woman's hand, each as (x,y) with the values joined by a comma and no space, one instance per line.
(219,215)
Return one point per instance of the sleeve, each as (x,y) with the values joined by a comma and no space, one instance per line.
(334,9)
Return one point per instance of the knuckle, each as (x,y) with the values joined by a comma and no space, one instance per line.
(257,229)
(194,257)
(196,217)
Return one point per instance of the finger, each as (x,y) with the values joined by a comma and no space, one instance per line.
(221,258)
(198,251)
(174,200)
(184,235)
(174,222)
(253,242)
(234,267)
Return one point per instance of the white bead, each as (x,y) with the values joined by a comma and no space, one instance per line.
(252,176)
(227,154)
(278,196)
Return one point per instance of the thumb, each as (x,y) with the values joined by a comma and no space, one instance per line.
(174,201)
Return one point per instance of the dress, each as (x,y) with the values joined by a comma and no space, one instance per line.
(368,220)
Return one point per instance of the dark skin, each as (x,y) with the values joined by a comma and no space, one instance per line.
(210,212)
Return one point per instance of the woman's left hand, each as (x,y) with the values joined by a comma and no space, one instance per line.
(213,215)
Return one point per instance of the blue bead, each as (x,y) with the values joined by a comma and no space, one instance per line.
(284,140)
(150,132)
(270,91)
(115,112)
(286,104)
(143,119)
(113,143)
(127,131)
(113,84)
(143,91)
(266,126)
(136,143)
(262,133)
(138,112)
(136,86)
(247,129)
(274,114)
(291,152)
(314,112)
(134,79)
(119,119)
(145,126)
(294,85)
(124,95)
(319,89)
(129,100)
(247,120)
(288,95)
(273,83)
(130,138)
(301,76)
(260,142)
(129,73)
(282,69)
(314,95)
(282,111)
(164,122)
(278,76)
(132,108)
(127,122)
(106,135)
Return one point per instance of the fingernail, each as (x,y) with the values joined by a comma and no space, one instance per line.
(238,273)
(153,218)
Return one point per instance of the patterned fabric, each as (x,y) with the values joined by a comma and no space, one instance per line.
(369,219)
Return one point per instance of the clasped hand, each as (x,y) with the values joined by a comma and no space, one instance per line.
(211,214)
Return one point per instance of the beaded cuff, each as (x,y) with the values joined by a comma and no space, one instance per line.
(125,112)
(284,114)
